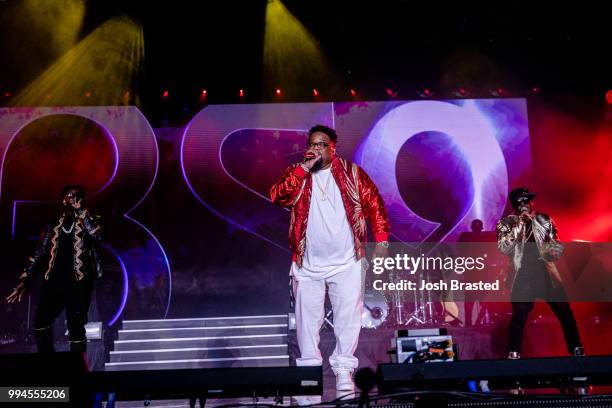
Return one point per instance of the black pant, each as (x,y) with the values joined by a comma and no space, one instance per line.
(534,282)
(57,295)
(520,312)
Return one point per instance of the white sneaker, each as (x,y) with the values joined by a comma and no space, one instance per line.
(344,381)
(305,400)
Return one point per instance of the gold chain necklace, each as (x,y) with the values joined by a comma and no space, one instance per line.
(323,191)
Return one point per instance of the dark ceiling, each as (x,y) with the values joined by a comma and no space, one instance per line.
(373,45)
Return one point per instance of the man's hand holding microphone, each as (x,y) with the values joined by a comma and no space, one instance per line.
(310,160)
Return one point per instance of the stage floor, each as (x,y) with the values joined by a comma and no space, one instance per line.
(543,338)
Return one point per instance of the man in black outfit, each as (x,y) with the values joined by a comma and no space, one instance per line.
(66,253)
(530,239)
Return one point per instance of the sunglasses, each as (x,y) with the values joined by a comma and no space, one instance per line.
(520,201)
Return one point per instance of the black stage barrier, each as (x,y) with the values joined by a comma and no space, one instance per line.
(528,372)
(70,370)
(209,382)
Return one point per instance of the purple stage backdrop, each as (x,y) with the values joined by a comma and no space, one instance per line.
(190,228)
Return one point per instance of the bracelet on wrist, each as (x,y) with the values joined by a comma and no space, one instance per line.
(384,244)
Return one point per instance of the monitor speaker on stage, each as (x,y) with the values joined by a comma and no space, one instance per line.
(424,346)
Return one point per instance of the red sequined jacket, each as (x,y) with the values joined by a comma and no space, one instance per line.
(359,195)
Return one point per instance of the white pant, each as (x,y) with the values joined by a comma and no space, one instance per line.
(346,296)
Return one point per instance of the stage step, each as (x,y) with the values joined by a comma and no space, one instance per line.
(201,342)
(241,341)
(261,361)
(204,322)
(191,332)
(198,353)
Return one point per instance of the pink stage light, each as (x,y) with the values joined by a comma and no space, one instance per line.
(203,96)
(391,92)
(425,93)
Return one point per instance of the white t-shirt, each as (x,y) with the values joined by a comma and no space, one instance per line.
(329,239)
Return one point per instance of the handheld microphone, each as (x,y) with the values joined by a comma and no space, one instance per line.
(309,156)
